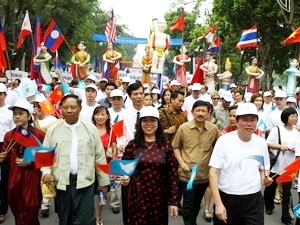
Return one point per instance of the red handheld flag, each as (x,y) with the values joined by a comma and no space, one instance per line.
(118,128)
(56,95)
(293,38)
(44,159)
(47,107)
(179,23)
(287,176)
(111,28)
(105,168)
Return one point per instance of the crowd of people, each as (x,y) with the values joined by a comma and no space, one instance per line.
(194,147)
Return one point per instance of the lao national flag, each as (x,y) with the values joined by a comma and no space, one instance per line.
(179,23)
(215,45)
(209,35)
(123,167)
(53,37)
(248,38)
(25,137)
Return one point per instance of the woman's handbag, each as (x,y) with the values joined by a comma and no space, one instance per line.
(273,157)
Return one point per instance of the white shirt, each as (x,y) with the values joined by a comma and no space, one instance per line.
(11,97)
(86,112)
(274,119)
(288,138)
(6,121)
(129,123)
(188,105)
(47,120)
(74,147)
(239,169)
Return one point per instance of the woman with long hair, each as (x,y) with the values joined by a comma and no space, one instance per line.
(166,98)
(153,187)
(101,119)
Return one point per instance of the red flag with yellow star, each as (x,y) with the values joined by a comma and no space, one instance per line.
(294,37)
(47,107)
(287,176)
(56,95)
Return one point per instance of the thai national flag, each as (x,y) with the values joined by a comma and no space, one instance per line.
(53,37)
(215,45)
(248,38)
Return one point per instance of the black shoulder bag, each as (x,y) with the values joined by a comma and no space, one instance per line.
(273,157)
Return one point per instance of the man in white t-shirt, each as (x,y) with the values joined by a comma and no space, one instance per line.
(239,165)
(89,105)
(117,113)
(268,104)
(6,124)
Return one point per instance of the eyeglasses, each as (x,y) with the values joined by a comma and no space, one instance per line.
(216,98)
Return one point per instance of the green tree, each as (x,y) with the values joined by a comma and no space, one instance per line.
(77,20)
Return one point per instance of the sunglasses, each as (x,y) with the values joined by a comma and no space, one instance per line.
(216,98)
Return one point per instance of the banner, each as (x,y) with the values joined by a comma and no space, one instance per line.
(132,40)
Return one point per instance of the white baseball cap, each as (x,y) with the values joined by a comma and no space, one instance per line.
(175,83)
(155,91)
(232,85)
(227,96)
(196,87)
(267,93)
(280,94)
(23,105)
(149,111)
(116,93)
(126,80)
(246,109)
(291,99)
(91,86)
(103,80)
(92,77)
(3,88)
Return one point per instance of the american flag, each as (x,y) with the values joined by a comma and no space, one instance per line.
(110,29)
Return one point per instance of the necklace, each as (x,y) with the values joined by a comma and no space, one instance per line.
(149,147)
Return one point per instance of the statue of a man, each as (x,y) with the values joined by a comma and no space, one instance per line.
(292,73)
(159,45)
(210,68)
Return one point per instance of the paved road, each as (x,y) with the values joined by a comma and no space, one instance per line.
(116,219)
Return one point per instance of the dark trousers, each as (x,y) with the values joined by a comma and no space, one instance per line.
(242,209)
(4,173)
(76,206)
(269,195)
(192,202)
